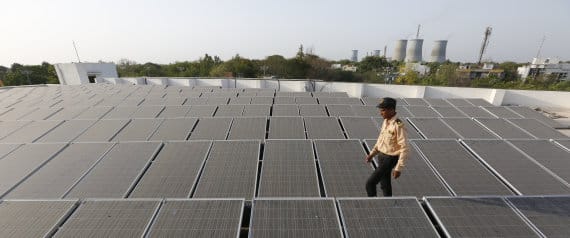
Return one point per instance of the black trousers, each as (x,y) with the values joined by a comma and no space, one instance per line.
(382,175)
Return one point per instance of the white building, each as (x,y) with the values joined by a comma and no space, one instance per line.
(546,66)
(418,68)
(84,73)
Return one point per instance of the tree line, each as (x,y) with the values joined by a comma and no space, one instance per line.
(371,69)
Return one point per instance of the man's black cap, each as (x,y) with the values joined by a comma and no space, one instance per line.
(387,103)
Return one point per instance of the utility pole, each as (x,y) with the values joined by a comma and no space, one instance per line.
(540,47)
(76,53)
(485,43)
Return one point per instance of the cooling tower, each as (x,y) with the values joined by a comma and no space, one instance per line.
(438,51)
(400,50)
(414,52)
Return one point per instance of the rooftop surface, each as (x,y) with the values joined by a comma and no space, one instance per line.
(106,160)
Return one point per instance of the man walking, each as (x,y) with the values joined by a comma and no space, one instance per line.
(392,148)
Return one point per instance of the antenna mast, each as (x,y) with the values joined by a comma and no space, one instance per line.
(540,47)
(76,53)
(485,43)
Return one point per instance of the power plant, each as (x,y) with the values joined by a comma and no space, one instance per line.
(354,57)
(414,52)
(400,50)
(438,52)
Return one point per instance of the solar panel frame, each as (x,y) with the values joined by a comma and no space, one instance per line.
(544,213)
(323,128)
(30,132)
(120,182)
(169,178)
(214,128)
(479,102)
(8,127)
(449,112)
(138,130)
(509,218)
(433,128)
(315,110)
(248,128)
(459,102)
(421,111)
(258,110)
(40,114)
(94,113)
(423,180)
(147,111)
(537,128)
(556,161)
(465,173)
(225,212)
(277,181)
(43,185)
(415,102)
(102,130)
(286,128)
(375,216)
(342,185)
(527,112)
(229,111)
(502,112)
(227,175)
(174,112)
(36,214)
(477,112)
(467,128)
(522,175)
(67,113)
(257,203)
(438,102)
(503,128)
(174,129)
(338,110)
(202,111)
(359,127)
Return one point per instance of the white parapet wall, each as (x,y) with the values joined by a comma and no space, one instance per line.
(552,99)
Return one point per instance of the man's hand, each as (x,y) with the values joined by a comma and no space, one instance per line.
(368,158)
(396,174)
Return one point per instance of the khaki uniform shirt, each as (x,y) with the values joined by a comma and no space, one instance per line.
(393,140)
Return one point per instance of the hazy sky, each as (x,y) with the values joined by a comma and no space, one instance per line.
(176,30)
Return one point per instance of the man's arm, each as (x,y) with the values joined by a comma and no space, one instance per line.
(402,141)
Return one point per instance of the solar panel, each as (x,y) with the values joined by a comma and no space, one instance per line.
(547,154)
(565,143)
(288,169)
(437,102)
(359,127)
(61,172)
(339,110)
(174,111)
(32,218)
(284,100)
(463,173)
(370,101)
(468,128)
(504,129)
(23,162)
(418,178)
(174,129)
(174,172)
(201,111)
(502,112)
(312,110)
(364,111)
(198,218)
(459,102)
(240,100)
(548,214)
(340,100)
(211,129)
(102,130)
(117,172)
(538,129)
(94,113)
(244,128)
(478,217)
(343,169)
(479,102)
(323,128)
(433,128)
(262,100)
(168,101)
(411,131)
(401,217)
(306,100)
(476,112)
(7,148)
(121,113)
(286,128)
(449,112)
(516,169)
(330,94)
(16,113)
(230,170)
(285,110)
(529,113)
(108,218)
(229,111)
(8,127)
(40,114)
(138,130)
(295,218)
(67,113)
(257,111)
(147,112)
(401,112)
(422,111)
(416,102)
(30,132)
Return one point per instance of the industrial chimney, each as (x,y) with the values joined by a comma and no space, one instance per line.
(414,53)
(354,57)
(438,51)
(400,50)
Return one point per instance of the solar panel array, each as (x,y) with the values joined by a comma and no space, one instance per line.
(125,160)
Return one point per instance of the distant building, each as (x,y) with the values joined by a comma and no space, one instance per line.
(546,66)
(488,70)
(347,67)
(418,68)
(84,73)
(354,57)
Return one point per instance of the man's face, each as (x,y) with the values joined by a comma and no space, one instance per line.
(387,113)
